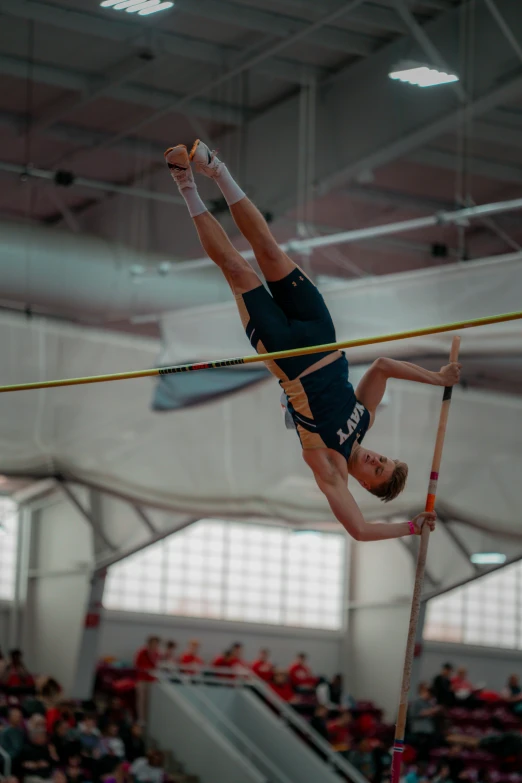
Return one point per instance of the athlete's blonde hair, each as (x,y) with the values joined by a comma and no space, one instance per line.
(389,490)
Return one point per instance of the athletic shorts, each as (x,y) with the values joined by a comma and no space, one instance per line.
(292,315)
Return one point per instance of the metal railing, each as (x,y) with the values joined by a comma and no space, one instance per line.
(7,763)
(247,747)
(239,677)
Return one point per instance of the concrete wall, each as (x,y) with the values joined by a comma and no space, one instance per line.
(485,664)
(123,632)
(62,552)
(381,589)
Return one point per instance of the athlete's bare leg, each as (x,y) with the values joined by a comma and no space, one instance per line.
(273,262)
(216,244)
(238,272)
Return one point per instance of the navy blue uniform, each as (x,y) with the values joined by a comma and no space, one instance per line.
(323,405)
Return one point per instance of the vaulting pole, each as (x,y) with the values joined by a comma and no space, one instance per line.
(398,745)
(262,357)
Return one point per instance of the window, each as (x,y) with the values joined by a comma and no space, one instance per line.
(8,548)
(236,571)
(487,612)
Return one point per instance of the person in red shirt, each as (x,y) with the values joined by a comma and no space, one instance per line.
(147,658)
(339,731)
(300,675)
(262,666)
(281,685)
(145,661)
(237,655)
(16,678)
(168,659)
(190,660)
(225,660)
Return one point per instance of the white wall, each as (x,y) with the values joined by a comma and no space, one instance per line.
(122,633)
(381,587)
(56,601)
(485,664)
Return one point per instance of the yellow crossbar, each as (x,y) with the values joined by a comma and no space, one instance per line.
(262,357)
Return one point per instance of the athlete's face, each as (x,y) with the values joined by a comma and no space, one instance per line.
(371,468)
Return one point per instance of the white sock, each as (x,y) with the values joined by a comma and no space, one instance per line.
(228,186)
(194,203)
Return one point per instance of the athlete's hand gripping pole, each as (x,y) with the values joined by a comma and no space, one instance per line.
(398,745)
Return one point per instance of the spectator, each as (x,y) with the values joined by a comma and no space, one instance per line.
(225,660)
(64,710)
(168,659)
(149,769)
(3,664)
(111,743)
(147,658)
(281,685)
(319,723)
(338,695)
(35,759)
(362,758)
(441,687)
(512,692)
(339,731)
(423,712)
(89,737)
(301,677)
(12,738)
(237,655)
(16,677)
(134,743)
(262,666)
(75,771)
(61,742)
(115,712)
(59,776)
(443,774)
(111,770)
(37,722)
(190,658)
(461,686)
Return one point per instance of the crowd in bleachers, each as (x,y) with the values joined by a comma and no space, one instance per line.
(458,731)
(45,738)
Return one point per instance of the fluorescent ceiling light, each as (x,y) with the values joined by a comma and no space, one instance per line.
(488,558)
(422,76)
(140,7)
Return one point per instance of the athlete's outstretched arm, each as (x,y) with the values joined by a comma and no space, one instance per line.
(372,386)
(349,514)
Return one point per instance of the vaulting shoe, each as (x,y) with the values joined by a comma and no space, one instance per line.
(205,160)
(177,160)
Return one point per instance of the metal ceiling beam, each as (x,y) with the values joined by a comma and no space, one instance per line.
(505,28)
(92,184)
(136,32)
(505,172)
(373,17)
(158,536)
(426,44)
(407,142)
(89,518)
(496,134)
(143,517)
(79,136)
(113,77)
(278,24)
(415,203)
(246,64)
(86,84)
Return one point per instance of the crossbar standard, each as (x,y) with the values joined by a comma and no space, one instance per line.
(263,357)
